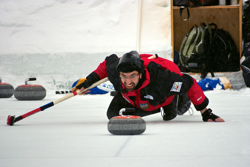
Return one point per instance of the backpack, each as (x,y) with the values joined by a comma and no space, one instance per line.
(208,49)
(222,55)
(194,47)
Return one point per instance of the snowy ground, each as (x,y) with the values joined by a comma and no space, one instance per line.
(74,133)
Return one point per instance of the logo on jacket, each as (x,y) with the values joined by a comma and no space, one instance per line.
(149,97)
(144,106)
(176,87)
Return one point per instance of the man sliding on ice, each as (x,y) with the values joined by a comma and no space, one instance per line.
(149,83)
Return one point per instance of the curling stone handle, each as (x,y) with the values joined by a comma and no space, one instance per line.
(29,79)
(127,110)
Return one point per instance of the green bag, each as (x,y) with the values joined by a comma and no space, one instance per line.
(194,47)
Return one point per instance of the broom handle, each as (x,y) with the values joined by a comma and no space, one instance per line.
(59,100)
(79,92)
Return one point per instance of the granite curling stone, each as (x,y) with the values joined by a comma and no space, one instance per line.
(126,125)
(30,92)
(6,89)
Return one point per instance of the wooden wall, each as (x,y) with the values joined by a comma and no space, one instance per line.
(226,18)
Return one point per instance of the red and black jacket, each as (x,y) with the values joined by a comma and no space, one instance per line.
(161,81)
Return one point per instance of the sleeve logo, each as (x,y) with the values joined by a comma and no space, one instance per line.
(176,87)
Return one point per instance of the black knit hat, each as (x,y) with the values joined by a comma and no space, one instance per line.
(129,62)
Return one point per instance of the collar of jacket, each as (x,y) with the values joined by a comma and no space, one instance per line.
(144,84)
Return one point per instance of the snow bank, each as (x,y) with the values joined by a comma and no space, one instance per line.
(59,41)
(96,26)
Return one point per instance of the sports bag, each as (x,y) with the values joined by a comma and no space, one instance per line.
(194,47)
(208,49)
(223,55)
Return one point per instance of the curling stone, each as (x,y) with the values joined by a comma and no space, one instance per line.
(6,90)
(30,92)
(126,124)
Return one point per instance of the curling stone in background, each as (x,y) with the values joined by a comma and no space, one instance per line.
(30,92)
(6,90)
(126,124)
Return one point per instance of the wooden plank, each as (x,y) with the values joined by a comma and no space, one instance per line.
(240,27)
(180,29)
(233,27)
(172,28)
(212,7)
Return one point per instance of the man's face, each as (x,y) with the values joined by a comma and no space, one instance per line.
(130,79)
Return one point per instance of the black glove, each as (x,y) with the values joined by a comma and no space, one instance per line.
(91,78)
(208,115)
(81,85)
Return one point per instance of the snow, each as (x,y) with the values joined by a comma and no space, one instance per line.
(53,26)
(60,41)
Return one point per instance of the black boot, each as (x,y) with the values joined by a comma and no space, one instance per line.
(183,104)
(170,111)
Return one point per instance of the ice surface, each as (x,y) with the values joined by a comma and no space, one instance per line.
(74,132)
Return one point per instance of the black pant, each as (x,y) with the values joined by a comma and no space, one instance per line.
(119,102)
